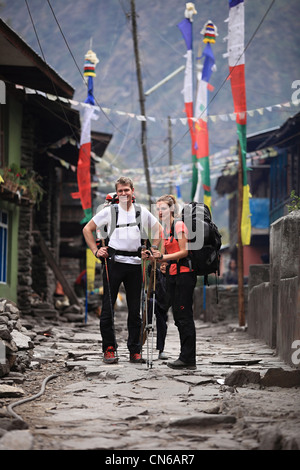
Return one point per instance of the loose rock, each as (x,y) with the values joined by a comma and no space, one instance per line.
(281,378)
(16,440)
(242,377)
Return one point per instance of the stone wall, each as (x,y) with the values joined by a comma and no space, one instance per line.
(217,305)
(260,322)
(34,273)
(46,221)
(260,319)
(25,223)
(272,297)
(71,268)
(16,347)
(274,291)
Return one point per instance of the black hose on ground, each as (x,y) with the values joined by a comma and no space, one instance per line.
(25,400)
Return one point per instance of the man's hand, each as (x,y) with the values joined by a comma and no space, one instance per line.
(102,252)
(152,254)
(145,254)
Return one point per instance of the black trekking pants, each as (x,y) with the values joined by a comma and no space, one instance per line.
(181,289)
(161,323)
(131,276)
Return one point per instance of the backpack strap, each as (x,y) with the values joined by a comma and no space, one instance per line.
(138,215)
(183,261)
(172,231)
(138,222)
(115,217)
(114,211)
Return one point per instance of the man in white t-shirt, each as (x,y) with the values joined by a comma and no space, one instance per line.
(123,257)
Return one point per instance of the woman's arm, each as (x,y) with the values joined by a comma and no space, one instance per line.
(182,253)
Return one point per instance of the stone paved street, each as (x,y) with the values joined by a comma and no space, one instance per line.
(93,406)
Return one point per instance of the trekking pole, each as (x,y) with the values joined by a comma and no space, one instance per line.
(147,317)
(153,311)
(143,301)
(111,304)
(148,326)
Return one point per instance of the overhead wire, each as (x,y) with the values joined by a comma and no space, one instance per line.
(125,134)
(125,137)
(127,15)
(100,107)
(228,75)
(72,55)
(245,48)
(53,84)
(161,96)
(80,72)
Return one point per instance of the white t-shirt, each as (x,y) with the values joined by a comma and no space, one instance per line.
(126,238)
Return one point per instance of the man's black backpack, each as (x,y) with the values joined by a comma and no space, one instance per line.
(204,252)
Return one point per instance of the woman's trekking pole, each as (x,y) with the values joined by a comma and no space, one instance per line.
(153,312)
(147,316)
(147,312)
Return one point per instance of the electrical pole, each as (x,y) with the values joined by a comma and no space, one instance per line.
(241,294)
(170,149)
(142,100)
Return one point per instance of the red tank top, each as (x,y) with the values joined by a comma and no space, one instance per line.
(172,246)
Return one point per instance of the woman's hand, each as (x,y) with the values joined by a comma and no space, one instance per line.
(157,255)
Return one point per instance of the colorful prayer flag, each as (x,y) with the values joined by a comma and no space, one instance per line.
(186,29)
(84,159)
(201,127)
(236,60)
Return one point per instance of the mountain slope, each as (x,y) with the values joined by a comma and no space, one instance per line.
(272,64)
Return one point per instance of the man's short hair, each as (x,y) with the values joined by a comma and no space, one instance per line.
(124,180)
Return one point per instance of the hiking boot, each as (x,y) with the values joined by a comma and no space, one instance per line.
(162,355)
(178,364)
(110,355)
(137,358)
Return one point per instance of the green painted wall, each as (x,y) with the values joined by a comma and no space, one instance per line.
(9,290)
(13,132)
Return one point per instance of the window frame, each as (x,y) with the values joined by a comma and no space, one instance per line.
(4,227)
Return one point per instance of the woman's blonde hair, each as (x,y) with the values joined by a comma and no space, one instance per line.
(171,201)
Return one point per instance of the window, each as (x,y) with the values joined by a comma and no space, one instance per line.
(3,246)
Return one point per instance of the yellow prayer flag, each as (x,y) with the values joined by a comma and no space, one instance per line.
(246,217)
(90,270)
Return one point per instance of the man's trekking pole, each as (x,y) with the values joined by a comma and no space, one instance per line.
(110,301)
(151,326)
(143,302)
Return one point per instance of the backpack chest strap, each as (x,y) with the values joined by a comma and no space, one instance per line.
(131,224)
(115,216)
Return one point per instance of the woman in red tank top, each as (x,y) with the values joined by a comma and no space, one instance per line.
(181,280)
